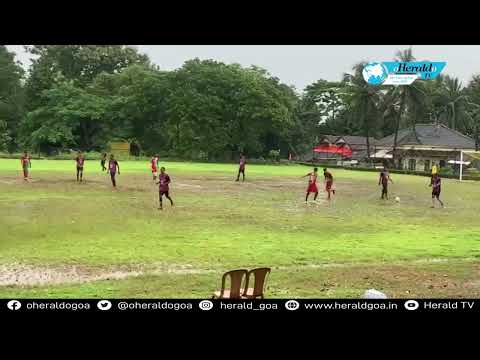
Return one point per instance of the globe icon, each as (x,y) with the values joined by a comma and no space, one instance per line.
(375,73)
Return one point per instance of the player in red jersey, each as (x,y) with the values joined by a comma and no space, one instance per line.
(383,180)
(80,160)
(112,169)
(436,184)
(163,181)
(154,166)
(241,168)
(312,184)
(328,182)
(26,165)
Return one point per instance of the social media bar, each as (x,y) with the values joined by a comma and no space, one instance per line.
(225,305)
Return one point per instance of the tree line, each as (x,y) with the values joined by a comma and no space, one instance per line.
(84,96)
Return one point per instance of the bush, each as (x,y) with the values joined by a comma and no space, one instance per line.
(446,171)
(473,171)
(274,155)
(91,155)
(19,155)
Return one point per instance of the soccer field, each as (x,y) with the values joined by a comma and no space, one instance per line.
(64,239)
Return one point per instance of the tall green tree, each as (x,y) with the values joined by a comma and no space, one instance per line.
(137,105)
(305,130)
(364,101)
(215,108)
(326,96)
(11,99)
(446,102)
(52,64)
(454,101)
(472,110)
(409,99)
(435,100)
(64,109)
(71,117)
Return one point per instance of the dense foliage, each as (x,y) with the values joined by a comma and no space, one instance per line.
(84,96)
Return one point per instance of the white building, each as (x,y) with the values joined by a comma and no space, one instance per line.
(423,146)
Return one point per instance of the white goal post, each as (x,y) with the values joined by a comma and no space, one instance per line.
(466,154)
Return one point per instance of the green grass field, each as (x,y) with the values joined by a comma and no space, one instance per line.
(63,239)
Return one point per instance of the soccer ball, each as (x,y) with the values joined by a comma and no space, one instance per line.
(397,199)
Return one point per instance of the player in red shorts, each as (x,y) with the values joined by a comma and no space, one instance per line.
(163,181)
(241,168)
(436,184)
(312,184)
(112,169)
(328,182)
(154,165)
(26,165)
(80,160)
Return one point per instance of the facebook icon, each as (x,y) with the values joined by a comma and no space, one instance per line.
(14,305)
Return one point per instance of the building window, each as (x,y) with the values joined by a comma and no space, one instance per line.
(412,164)
(427,166)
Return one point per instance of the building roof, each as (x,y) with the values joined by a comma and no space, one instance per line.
(382,154)
(350,140)
(359,140)
(330,138)
(430,135)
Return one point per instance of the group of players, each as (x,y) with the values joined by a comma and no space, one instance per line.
(312,184)
(164,180)
(113,166)
(384,179)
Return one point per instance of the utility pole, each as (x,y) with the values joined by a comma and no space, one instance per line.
(461,165)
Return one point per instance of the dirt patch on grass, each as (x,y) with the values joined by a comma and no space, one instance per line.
(424,280)
(428,278)
(301,206)
(183,185)
(31,275)
(9,182)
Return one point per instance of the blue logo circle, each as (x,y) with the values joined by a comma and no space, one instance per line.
(375,73)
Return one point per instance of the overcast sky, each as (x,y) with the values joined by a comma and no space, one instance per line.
(300,65)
